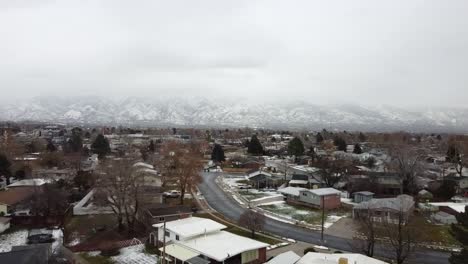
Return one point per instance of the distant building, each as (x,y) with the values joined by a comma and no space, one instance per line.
(360,197)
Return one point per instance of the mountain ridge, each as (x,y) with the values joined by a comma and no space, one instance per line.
(203,112)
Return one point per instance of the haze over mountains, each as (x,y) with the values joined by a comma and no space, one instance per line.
(200,112)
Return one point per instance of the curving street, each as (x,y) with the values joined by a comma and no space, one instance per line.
(230,209)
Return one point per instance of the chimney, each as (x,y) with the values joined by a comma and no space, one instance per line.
(342,261)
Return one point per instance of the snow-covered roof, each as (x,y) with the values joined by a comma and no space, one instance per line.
(143,164)
(253,174)
(294,191)
(288,257)
(221,245)
(402,202)
(458,207)
(365,193)
(192,226)
(325,191)
(28,182)
(180,252)
(298,182)
(323,258)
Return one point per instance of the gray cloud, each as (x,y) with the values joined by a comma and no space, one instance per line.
(368,52)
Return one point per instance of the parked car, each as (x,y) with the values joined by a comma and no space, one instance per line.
(172,194)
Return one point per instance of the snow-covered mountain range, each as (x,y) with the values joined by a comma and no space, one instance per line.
(199,112)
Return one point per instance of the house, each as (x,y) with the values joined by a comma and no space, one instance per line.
(27,183)
(328,198)
(386,209)
(299,180)
(15,200)
(444,218)
(4,224)
(201,240)
(29,254)
(291,193)
(288,257)
(262,179)
(324,258)
(163,212)
(365,196)
(461,183)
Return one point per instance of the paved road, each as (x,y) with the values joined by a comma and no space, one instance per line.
(225,205)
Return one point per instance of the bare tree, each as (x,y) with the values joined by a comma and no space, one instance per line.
(401,235)
(118,185)
(180,165)
(406,162)
(365,238)
(253,221)
(332,171)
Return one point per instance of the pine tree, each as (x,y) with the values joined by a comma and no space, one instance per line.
(460,232)
(362,137)
(151,146)
(101,146)
(75,142)
(340,144)
(319,138)
(5,168)
(254,146)
(357,149)
(218,153)
(453,154)
(51,147)
(295,147)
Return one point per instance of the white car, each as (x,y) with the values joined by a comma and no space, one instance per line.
(172,194)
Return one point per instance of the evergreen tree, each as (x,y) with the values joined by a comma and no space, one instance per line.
(254,146)
(295,147)
(340,143)
(453,155)
(5,168)
(75,142)
(51,147)
(151,146)
(218,153)
(439,137)
(319,138)
(357,149)
(460,232)
(101,146)
(362,137)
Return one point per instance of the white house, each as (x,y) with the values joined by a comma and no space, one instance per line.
(4,224)
(204,239)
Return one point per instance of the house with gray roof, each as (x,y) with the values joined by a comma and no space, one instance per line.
(386,210)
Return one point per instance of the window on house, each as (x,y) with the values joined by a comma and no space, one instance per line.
(177,237)
(304,194)
(167,234)
(161,219)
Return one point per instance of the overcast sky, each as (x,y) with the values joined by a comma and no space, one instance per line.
(395,52)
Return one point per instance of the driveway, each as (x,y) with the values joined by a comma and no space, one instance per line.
(230,209)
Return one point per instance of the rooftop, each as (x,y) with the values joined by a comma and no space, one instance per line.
(401,202)
(288,257)
(323,258)
(28,182)
(192,226)
(222,245)
(294,191)
(325,191)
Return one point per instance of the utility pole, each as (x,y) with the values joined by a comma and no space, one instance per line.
(164,243)
(323,219)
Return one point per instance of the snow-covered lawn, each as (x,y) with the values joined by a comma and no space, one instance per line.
(301,214)
(233,182)
(134,255)
(252,194)
(16,238)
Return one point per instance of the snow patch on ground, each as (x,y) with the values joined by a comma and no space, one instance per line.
(9,240)
(134,255)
